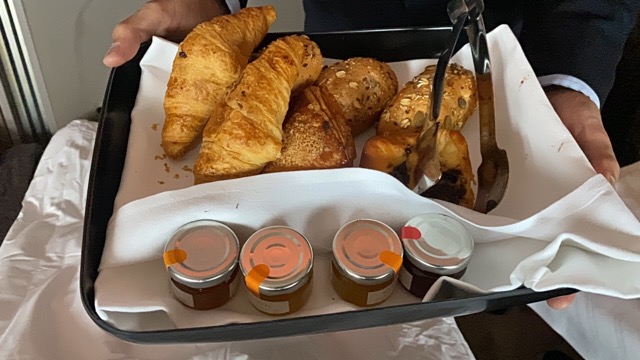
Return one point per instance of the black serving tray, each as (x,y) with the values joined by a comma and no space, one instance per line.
(106,171)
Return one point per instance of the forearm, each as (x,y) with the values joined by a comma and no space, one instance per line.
(582,39)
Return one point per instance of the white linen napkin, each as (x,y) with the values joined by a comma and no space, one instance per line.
(559,224)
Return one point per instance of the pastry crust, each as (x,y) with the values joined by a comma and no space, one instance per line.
(245,132)
(409,109)
(362,87)
(207,63)
(316,135)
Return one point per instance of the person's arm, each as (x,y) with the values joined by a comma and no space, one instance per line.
(574,47)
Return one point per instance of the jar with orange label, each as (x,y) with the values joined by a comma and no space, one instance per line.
(435,245)
(367,256)
(202,261)
(277,265)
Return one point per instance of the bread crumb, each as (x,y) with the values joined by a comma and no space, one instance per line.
(187,168)
(154,127)
(160,182)
(167,169)
(176,176)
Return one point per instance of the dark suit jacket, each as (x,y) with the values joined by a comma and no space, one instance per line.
(581,38)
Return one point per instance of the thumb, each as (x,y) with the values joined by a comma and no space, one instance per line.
(130,33)
(125,45)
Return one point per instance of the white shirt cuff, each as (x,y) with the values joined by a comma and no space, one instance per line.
(572,83)
(233,5)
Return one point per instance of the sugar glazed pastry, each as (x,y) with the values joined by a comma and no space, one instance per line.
(207,62)
(318,132)
(391,149)
(245,132)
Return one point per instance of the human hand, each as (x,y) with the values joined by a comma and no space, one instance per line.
(583,120)
(582,117)
(170,19)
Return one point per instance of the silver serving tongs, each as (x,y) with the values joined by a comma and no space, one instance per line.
(428,171)
(493,172)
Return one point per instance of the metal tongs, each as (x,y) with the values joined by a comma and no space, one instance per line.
(493,172)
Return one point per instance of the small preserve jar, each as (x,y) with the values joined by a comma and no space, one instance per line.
(435,245)
(202,261)
(367,256)
(277,265)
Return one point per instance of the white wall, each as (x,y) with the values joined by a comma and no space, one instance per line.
(290,14)
(70,38)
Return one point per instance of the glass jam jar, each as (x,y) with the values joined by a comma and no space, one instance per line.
(277,265)
(435,245)
(367,256)
(202,261)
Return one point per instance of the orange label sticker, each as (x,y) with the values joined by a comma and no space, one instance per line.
(174,256)
(255,277)
(392,259)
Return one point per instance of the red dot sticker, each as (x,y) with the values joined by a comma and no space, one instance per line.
(411,233)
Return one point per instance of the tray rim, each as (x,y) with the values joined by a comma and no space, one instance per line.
(466,304)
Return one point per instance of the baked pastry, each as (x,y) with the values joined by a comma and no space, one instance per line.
(207,62)
(409,109)
(316,135)
(393,154)
(363,87)
(457,176)
(392,149)
(245,132)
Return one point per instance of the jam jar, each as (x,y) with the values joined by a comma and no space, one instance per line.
(277,265)
(367,256)
(435,245)
(202,261)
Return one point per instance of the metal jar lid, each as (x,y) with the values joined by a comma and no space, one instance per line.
(437,243)
(202,254)
(358,249)
(286,253)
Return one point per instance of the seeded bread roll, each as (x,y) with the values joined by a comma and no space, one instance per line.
(347,79)
(409,109)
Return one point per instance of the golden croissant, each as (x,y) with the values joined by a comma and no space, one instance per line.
(208,61)
(245,132)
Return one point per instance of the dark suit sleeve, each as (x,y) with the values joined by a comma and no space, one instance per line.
(580,38)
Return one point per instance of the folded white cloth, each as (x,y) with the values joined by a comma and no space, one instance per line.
(559,224)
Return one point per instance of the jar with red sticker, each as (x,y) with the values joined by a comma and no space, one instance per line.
(435,245)
(277,265)
(367,256)
(202,261)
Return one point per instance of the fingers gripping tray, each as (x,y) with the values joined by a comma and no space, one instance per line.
(137,199)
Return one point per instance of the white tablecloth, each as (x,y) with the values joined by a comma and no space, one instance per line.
(42,317)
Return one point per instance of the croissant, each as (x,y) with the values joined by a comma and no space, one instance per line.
(316,135)
(408,110)
(245,133)
(208,61)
